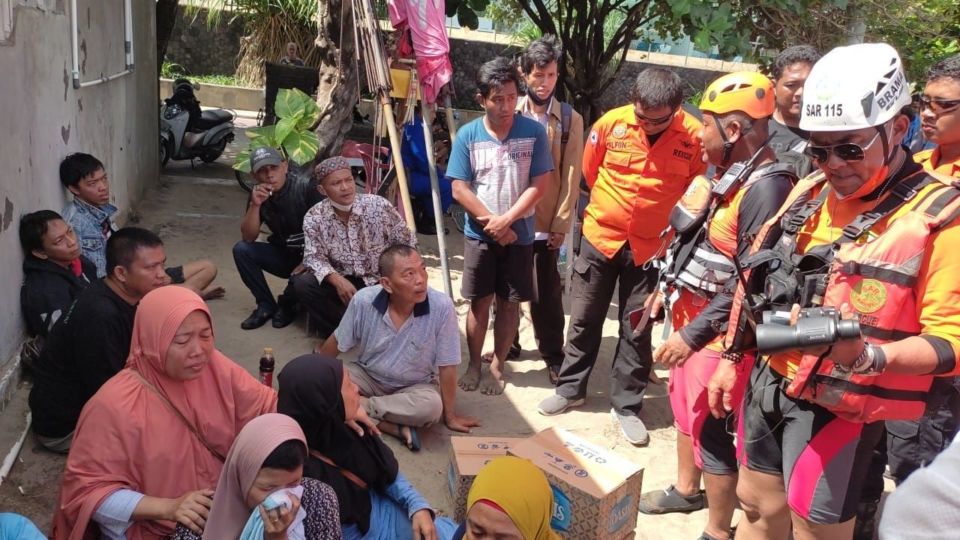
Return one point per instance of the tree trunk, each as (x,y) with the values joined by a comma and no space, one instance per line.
(338,91)
(167,12)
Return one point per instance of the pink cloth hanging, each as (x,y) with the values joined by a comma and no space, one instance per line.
(425,20)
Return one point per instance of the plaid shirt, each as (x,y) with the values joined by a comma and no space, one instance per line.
(93,226)
(354,248)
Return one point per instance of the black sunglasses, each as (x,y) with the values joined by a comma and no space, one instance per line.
(938,106)
(844,151)
(653,121)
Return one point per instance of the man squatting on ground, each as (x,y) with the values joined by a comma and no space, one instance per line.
(408,342)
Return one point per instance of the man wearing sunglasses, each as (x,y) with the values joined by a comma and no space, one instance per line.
(912,444)
(638,161)
(811,417)
(736,117)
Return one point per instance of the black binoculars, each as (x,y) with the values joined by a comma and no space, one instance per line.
(816,326)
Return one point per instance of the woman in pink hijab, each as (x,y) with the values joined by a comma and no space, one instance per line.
(150,444)
(264,469)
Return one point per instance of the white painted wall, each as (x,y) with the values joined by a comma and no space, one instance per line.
(43,118)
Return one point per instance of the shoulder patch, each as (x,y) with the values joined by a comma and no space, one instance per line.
(593,137)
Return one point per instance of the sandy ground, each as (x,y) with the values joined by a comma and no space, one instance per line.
(197,212)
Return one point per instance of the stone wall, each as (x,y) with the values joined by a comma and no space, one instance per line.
(203,50)
(45,118)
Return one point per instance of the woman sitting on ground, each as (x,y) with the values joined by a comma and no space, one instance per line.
(376,500)
(265,466)
(510,499)
(149,445)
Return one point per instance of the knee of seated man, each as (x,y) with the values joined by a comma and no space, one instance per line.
(432,408)
(242,249)
(302,282)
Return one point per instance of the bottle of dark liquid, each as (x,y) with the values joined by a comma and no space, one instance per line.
(267,364)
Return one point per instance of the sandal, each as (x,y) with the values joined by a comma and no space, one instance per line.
(414,443)
(553,373)
(668,501)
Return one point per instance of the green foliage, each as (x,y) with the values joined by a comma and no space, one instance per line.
(171,70)
(467,11)
(297,114)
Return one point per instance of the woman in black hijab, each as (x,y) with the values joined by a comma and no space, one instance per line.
(376,500)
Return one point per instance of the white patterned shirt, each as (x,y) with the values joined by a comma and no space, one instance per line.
(354,248)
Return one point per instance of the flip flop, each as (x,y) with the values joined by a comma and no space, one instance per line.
(414,444)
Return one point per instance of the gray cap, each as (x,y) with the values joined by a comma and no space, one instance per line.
(264,156)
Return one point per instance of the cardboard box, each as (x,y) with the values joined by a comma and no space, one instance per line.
(468,456)
(595,491)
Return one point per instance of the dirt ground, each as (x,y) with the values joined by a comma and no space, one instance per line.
(197,212)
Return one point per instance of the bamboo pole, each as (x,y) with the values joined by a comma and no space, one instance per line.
(451,123)
(427,114)
(398,160)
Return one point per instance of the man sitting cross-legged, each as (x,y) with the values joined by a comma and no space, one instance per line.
(407,337)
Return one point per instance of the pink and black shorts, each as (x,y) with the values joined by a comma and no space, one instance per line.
(823,459)
(713,445)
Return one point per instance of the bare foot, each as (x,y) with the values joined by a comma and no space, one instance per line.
(492,384)
(486,357)
(471,379)
(213,293)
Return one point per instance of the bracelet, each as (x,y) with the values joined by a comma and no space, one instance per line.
(733,357)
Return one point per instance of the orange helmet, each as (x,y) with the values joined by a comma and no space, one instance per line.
(745,91)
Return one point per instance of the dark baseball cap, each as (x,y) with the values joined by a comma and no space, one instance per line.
(264,156)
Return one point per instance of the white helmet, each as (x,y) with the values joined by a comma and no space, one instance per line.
(854,87)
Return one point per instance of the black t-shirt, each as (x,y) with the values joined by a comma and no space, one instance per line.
(284,210)
(788,144)
(87,346)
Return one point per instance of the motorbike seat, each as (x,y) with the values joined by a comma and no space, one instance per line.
(211,118)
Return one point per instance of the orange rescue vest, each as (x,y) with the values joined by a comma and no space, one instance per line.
(877,278)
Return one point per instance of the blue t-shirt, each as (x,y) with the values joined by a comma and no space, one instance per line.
(500,171)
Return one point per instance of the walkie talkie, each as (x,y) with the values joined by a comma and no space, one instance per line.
(737,173)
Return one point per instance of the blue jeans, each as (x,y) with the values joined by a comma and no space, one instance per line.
(253,258)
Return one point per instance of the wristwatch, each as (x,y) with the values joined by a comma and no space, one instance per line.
(870,361)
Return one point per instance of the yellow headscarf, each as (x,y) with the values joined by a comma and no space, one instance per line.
(521,490)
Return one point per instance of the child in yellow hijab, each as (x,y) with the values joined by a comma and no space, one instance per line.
(510,498)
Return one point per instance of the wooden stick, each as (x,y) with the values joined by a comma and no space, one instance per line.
(397,159)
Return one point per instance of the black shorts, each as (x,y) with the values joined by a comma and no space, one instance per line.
(490,268)
(823,459)
(176,274)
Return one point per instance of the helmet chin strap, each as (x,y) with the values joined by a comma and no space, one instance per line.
(727,145)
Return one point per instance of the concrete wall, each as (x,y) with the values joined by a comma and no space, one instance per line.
(43,118)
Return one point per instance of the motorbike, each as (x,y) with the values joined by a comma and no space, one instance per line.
(186,132)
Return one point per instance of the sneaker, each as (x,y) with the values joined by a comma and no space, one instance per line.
(258,318)
(668,501)
(557,404)
(284,316)
(632,428)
